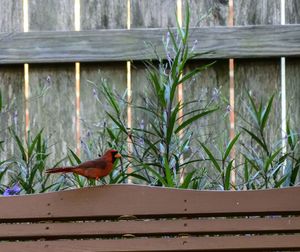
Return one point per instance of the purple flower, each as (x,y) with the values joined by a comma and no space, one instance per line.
(12,190)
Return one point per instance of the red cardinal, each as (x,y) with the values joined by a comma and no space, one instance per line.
(93,169)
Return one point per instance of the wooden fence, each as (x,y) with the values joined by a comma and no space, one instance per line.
(113,32)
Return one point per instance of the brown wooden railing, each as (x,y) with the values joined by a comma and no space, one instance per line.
(142,218)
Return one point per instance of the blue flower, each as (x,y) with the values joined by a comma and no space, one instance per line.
(12,190)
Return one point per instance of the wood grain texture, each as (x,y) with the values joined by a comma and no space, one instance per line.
(256,12)
(51,15)
(93,104)
(122,45)
(52,106)
(208,87)
(292,71)
(207,12)
(260,77)
(11,16)
(52,87)
(13,110)
(149,228)
(237,243)
(103,14)
(11,82)
(119,200)
(144,15)
(153,14)
(107,15)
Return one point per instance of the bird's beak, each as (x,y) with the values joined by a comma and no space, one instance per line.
(118,155)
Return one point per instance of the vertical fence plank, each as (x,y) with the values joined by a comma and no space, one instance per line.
(211,84)
(11,82)
(203,86)
(293,71)
(52,87)
(147,14)
(209,87)
(99,14)
(208,13)
(260,77)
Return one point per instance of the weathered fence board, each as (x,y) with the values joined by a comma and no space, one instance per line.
(104,15)
(89,46)
(293,71)
(259,77)
(51,15)
(153,14)
(11,82)
(11,18)
(52,87)
(147,14)
(207,13)
(208,87)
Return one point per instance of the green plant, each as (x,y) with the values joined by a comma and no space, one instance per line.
(264,162)
(292,164)
(158,149)
(28,168)
(223,165)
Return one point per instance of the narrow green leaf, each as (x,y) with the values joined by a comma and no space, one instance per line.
(290,136)
(294,173)
(173,40)
(119,124)
(158,176)
(110,98)
(193,72)
(77,159)
(20,145)
(227,175)
(269,160)
(211,157)
(280,182)
(168,172)
(194,118)
(230,146)
(266,113)
(33,144)
(187,22)
(253,107)
(256,138)
(171,123)
(187,180)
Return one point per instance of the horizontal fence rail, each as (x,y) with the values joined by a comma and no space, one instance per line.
(134,44)
(141,218)
(141,201)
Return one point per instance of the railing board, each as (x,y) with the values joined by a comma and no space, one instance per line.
(150,227)
(233,243)
(118,200)
(122,45)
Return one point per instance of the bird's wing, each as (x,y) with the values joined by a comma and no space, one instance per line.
(97,163)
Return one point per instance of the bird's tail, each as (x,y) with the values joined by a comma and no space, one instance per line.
(60,169)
